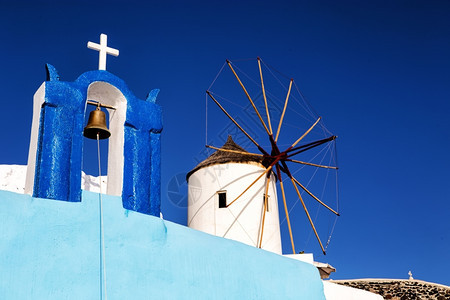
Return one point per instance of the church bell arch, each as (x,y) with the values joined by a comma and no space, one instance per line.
(55,153)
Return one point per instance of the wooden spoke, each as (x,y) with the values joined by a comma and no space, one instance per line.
(264,211)
(315,198)
(311,164)
(285,208)
(248,96)
(259,177)
(309,146)
(233,151)
(231,118)
(284,109)
(307,214)
(307,131)
(315,143)
(264,95)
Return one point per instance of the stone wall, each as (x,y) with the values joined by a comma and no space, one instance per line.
(397,289)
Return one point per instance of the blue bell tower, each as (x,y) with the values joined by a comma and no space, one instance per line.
(56,143)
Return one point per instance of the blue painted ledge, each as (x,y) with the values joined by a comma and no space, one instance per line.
(50,250)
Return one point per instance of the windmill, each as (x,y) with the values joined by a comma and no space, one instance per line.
(276,159)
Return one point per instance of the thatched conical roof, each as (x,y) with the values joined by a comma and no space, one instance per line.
(223,157)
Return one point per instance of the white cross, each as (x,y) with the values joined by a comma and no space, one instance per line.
(103,50)
(410,276)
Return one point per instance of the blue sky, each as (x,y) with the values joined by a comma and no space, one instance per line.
(378,72)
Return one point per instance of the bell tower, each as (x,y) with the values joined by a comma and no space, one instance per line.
(55,152)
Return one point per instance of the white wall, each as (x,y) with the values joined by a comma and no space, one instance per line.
(12,178)
(241,221)
(305,257)
(38,100)
(334,291)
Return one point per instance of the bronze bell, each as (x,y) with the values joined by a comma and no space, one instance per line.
(97,124)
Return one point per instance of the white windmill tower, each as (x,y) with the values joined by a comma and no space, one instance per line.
(215,182)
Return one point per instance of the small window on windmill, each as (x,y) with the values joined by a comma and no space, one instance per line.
(266,199)
(222,199)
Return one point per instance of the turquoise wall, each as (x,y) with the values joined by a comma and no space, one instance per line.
(50,250)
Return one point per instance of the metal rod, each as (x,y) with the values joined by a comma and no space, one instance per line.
(284,109)
(264,211)
(310,164)
(264,95)
(315,198)
(96,103)
(102,234)
(285,208)
(307,214)
(248,96)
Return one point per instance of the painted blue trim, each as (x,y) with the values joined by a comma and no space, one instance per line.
(151,97)
(52,74)
(60,142)
(155,183)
